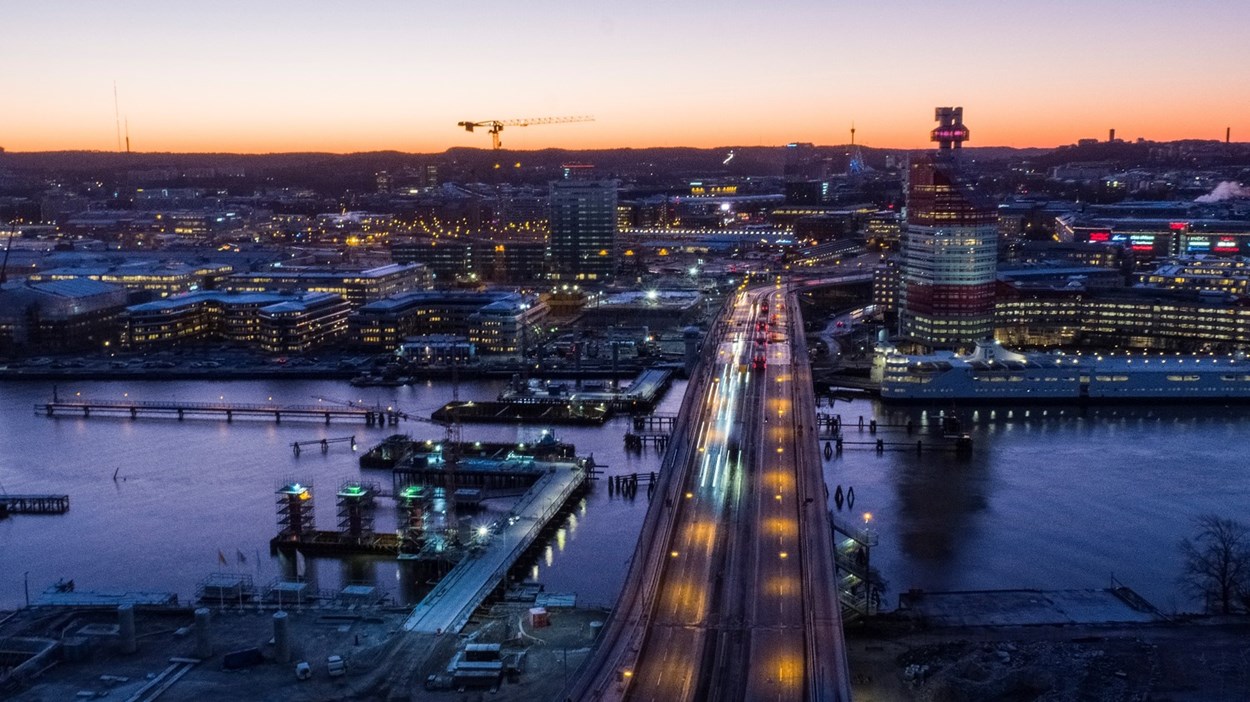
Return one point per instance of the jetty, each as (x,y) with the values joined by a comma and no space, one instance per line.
(135,409)
(33,504)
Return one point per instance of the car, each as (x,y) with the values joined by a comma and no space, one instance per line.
(303,671)
(335,666)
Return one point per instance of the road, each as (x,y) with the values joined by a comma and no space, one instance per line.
(743,601)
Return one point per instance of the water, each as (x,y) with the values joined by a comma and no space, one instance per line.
(1055,498)
(1055,501)
(189,493)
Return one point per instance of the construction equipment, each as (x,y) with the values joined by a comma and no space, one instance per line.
(496,125)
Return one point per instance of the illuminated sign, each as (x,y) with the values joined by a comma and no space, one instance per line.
(1099,236)
(697,189)
(1198,243)
(1179,226)
(1226,242)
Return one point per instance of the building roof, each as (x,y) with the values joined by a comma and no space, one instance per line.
(77,287)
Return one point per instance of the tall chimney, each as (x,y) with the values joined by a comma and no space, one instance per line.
(1228,135)
(1111,135)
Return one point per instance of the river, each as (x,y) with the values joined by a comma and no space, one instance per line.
(1057,499)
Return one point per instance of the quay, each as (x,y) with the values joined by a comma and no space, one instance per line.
(448,607)
(216,410)
(33,504)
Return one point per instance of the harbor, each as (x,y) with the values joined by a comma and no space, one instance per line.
(226,476)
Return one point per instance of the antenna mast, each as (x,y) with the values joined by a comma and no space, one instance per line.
(117,117)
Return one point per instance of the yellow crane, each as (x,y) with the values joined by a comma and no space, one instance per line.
(495,126)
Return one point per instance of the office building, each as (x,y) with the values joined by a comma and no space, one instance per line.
(57,316)
(272,322)
(358,287)
(582,217)
(386,324)
(950,248)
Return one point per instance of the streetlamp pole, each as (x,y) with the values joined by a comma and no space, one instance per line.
(26,586)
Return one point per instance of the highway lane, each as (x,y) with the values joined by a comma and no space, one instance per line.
(732,596)
(683,628)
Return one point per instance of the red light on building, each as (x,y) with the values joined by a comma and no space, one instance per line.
(1099,236)
(1142,247)
(1179,226)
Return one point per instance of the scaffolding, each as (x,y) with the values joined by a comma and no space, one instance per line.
(356,503)
(296,518)
(411,510)
(859,586)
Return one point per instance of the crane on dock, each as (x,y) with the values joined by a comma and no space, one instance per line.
(495,126)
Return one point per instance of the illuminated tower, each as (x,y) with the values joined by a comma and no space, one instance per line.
(950,248)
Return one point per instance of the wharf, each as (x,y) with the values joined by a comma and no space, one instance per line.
(216,410)
(448,607)
(34,504)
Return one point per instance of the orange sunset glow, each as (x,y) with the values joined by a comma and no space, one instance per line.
(320,76)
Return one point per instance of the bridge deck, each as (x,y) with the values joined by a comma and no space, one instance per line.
(448,607)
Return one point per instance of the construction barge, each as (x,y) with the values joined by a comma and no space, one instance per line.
(394,449)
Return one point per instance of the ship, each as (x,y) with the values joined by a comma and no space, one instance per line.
(991,372)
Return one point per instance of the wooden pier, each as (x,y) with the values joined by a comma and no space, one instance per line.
(217,410)
(34,504)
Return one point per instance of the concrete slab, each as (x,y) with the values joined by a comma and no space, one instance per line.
(1027,607)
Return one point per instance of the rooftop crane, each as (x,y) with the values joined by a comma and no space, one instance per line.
(496,125)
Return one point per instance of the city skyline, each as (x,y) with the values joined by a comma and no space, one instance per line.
(290,77)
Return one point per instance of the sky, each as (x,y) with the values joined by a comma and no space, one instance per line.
(320,75)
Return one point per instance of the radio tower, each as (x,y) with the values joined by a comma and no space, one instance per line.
(856,165)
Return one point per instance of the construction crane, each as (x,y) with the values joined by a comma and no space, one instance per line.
(496,125)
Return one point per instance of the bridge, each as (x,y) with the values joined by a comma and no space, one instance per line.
(731,594)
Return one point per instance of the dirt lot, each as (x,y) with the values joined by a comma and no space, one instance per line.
(1200,660)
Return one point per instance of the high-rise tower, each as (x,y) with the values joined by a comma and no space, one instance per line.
(583,230)
(950,248)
